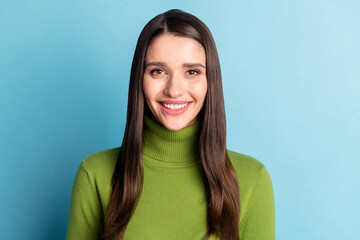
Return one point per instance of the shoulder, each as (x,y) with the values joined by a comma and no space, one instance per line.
(101,163)
(252,175)
(244,165)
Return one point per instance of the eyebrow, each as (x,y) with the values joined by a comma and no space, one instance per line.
(158,64)
(194,65)
(162,64)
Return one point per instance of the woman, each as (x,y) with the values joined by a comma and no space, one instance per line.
(173,177)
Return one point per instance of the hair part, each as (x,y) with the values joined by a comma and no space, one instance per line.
(220,181)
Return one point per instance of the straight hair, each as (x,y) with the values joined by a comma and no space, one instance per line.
(220,181)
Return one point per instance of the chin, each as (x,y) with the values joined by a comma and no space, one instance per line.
(174,126)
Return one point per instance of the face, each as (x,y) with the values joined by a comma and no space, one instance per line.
(175,81)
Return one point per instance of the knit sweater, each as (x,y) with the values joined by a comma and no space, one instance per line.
(172,204)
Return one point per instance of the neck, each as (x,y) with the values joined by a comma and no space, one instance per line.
(166,145)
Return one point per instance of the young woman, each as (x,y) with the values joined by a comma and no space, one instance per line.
(173,177)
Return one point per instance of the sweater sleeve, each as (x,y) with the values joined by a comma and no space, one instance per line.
(259,220)
(85,218)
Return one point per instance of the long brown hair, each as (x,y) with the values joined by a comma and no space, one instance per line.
(221,184)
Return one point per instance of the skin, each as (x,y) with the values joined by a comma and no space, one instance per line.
(175,73)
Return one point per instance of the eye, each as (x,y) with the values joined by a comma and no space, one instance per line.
(157,72)
(192,72)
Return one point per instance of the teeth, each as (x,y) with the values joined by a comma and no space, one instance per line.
(174,106)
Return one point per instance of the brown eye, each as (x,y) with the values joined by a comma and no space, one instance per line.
(193,72)
(157,72)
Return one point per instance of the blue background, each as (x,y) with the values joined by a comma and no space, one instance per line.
(291,73)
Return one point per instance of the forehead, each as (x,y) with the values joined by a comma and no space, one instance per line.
(171,48)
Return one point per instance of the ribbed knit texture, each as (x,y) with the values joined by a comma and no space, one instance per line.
(177,147)
(172,204)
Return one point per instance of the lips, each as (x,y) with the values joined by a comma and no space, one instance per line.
(174,107)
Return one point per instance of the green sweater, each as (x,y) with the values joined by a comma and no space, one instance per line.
(172,204)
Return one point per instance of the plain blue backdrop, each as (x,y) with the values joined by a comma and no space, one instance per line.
(291,76)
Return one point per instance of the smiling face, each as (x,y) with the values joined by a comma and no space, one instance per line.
(175,81)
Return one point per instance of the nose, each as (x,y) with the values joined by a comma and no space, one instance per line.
(175,86)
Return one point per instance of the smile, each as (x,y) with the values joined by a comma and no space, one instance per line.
(174,108)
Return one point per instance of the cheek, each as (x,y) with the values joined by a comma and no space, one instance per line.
(200,91)
(146,90)
(152,92)
(149,90)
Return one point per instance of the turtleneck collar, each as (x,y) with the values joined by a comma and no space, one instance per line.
(170,146)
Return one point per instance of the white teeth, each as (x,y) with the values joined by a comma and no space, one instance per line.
(174,106)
